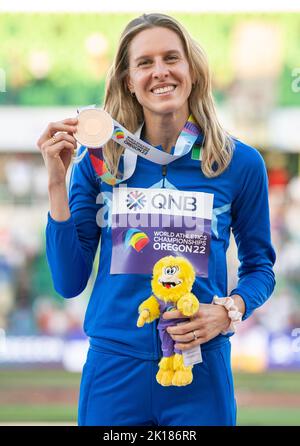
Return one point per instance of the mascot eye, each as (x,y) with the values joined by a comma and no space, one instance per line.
(170,270)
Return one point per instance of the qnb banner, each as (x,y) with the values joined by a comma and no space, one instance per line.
(148,224)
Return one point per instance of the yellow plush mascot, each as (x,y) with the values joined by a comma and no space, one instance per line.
(172,281)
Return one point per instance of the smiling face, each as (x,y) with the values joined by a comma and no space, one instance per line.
(169,277)
(159,72)
(173,277)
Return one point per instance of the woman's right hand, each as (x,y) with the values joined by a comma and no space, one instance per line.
(57,145)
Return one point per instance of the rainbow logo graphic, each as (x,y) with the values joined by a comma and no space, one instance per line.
(136,239)
(118,133)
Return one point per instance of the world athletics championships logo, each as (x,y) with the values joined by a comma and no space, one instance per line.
(135,200)
(118,133)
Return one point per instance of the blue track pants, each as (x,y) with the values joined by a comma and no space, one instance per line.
(119,390)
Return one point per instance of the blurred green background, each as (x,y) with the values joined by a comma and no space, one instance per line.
(54,59)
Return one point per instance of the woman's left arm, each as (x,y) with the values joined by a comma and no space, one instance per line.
(251,229)
(252,233)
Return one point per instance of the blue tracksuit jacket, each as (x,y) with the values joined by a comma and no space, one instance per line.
(240,202)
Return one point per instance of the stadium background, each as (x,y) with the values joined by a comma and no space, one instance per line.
(51,63)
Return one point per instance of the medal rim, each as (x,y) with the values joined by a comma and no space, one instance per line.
(87,140)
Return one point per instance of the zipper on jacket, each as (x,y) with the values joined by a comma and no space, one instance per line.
(164,173)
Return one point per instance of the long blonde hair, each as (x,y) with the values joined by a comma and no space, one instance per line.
(218,145)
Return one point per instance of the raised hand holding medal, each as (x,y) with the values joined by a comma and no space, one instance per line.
(95,128)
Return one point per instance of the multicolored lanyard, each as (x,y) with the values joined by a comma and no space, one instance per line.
(134,147)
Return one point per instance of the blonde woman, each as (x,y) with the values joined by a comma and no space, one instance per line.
(158,84)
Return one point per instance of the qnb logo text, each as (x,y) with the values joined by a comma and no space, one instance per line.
(169,202)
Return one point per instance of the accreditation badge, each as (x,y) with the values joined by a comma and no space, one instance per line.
(148,224)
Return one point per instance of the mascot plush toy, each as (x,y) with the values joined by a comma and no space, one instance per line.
(172,281)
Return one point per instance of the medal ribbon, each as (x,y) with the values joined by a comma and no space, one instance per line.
(134,147)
